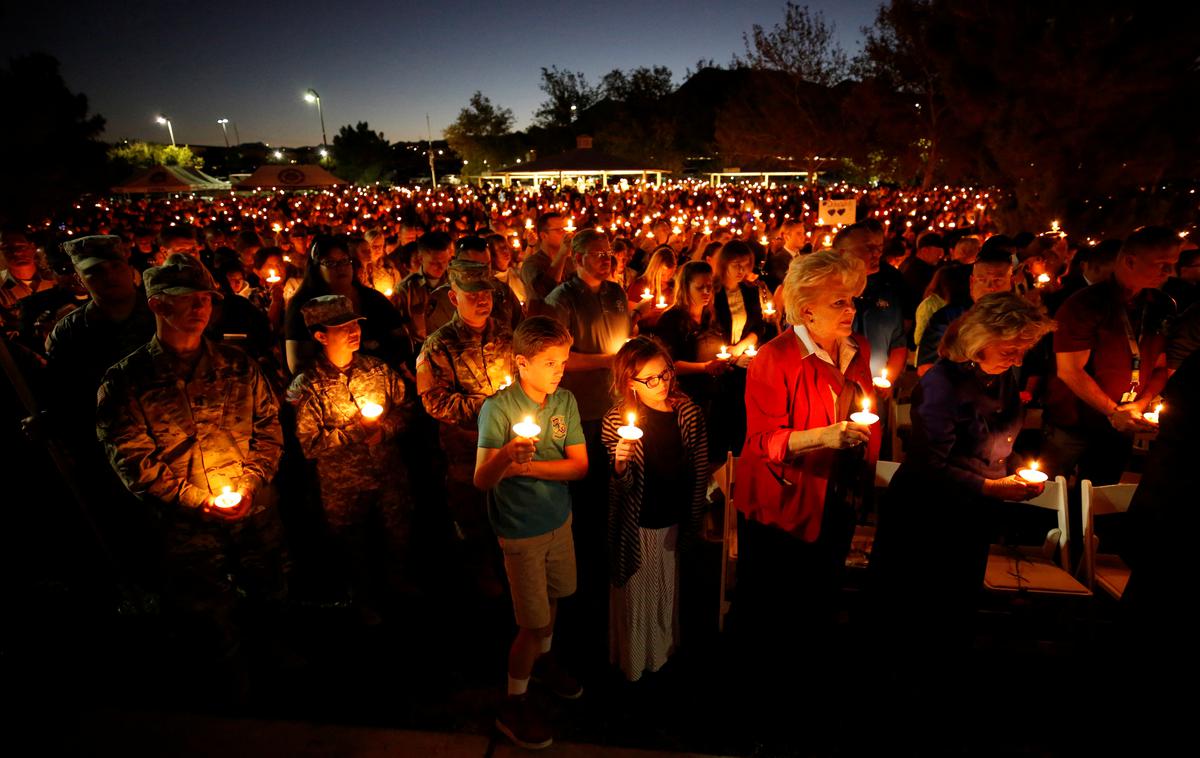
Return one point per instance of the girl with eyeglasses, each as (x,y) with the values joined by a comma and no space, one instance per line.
(656,495)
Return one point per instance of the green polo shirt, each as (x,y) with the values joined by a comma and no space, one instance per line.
(522,506)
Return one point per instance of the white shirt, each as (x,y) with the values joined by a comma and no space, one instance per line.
(847,348)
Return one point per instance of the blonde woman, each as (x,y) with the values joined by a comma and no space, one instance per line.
(802,461)
(933,532)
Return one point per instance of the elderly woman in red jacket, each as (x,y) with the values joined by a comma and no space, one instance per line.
(804,460)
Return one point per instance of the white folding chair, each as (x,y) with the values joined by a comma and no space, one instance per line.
(1105,569)
(884,471)
(899,417)
(725,480)
(864,534)
(1030,569)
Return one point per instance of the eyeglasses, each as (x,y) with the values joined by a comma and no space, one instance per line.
(653,381)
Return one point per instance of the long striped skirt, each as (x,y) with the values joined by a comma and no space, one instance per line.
(643,618)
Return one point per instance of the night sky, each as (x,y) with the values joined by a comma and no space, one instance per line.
(388,63)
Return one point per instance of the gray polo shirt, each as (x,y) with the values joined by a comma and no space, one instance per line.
(599,323)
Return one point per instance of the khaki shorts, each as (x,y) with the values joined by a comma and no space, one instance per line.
(539,569)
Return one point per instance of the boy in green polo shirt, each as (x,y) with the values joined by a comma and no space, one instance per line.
(530,511)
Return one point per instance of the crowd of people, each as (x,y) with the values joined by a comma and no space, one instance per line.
(556,374)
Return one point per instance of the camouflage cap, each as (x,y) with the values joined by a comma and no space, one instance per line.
(181,274)
(470,276)
(329,310)
(86,252)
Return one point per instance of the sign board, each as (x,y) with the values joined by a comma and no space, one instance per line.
(835,212)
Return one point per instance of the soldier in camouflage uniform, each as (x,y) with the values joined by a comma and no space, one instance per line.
(461,365)
(506,308)
(359,467)
(415,298)
(181,419)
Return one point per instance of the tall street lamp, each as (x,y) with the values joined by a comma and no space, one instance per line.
(312,97)
(224,131)
(162,119)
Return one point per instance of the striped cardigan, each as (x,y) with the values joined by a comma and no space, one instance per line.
(625,490)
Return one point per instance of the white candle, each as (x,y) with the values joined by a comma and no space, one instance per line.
(662,303)
(371,411)
(770,309)
(630,431)
(724,354)
(1152,416)
(646,295)
(1033,474)
(864,417)
(881,381)
(507,382)
(750,351)
(228,498)
(1043,280)
(527,428)
(388,292)
(272,277)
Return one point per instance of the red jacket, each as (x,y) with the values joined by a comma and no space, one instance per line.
(786,391)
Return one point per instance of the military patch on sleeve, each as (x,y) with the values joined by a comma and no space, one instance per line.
(559,425)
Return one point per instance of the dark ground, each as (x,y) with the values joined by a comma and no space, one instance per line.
(1034,682)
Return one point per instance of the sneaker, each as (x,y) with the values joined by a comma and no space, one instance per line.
(547,671)
(519,721)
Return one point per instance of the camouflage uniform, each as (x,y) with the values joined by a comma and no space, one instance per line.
(416,303)
(356,480)
(12,292)
(354,477)
(456,371)
(176,437)
(506,308)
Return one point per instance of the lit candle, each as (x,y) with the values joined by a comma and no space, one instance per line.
(1043,280)
(371,411)
(630,431)
(662,303)
(750,351)
(646,294)
(864,417)
(881,381)
(724,354)
(228,498)
(507,382)
(1033,474)
(516,243)
(570,224)
(528,223)
(272,277)
(770,309)
(763,240)
(388,292)
(527,428)
(1152,416)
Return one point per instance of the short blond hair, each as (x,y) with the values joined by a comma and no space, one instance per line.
(810,275)
(999,317)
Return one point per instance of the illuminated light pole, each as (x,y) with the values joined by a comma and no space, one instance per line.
(312,97)
(162,119)
(224,131)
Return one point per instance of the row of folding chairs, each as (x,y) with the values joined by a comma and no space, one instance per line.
(1038,569)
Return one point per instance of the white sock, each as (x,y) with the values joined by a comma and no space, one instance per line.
(517,686)
(546,643)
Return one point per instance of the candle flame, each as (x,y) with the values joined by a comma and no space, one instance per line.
(529,419)
(1158,408)
(632,418)
(1034,466)
(866,405)
(883,374)
(226,489)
